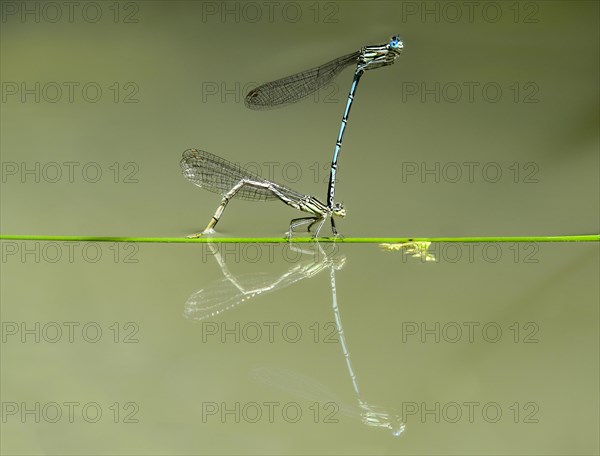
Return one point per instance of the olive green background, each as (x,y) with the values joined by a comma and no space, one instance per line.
(173,76)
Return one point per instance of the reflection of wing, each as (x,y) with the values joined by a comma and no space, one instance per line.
(233,290)
(236,289)
(310,389)
(301,386)
(223,295)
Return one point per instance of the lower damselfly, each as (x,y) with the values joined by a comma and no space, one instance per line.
(218,175)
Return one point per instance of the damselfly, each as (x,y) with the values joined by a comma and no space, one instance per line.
(218,175)
(298,86)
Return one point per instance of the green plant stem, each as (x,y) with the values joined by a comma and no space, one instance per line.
(304,240)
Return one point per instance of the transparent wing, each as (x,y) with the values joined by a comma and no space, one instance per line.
(218,175)
(297,86)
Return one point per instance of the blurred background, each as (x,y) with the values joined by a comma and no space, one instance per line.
(487,125)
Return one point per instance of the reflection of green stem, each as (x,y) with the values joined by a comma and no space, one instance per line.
(305,240)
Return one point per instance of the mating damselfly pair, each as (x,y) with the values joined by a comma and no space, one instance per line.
(218,175)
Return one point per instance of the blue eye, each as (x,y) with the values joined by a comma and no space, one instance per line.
(395,42)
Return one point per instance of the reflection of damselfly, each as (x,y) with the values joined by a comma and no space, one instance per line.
(218,175)
(370,415)
(233,290)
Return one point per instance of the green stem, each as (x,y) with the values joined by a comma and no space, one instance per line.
(281,240)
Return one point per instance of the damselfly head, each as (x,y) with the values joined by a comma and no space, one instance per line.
(396,43)
(338,210)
